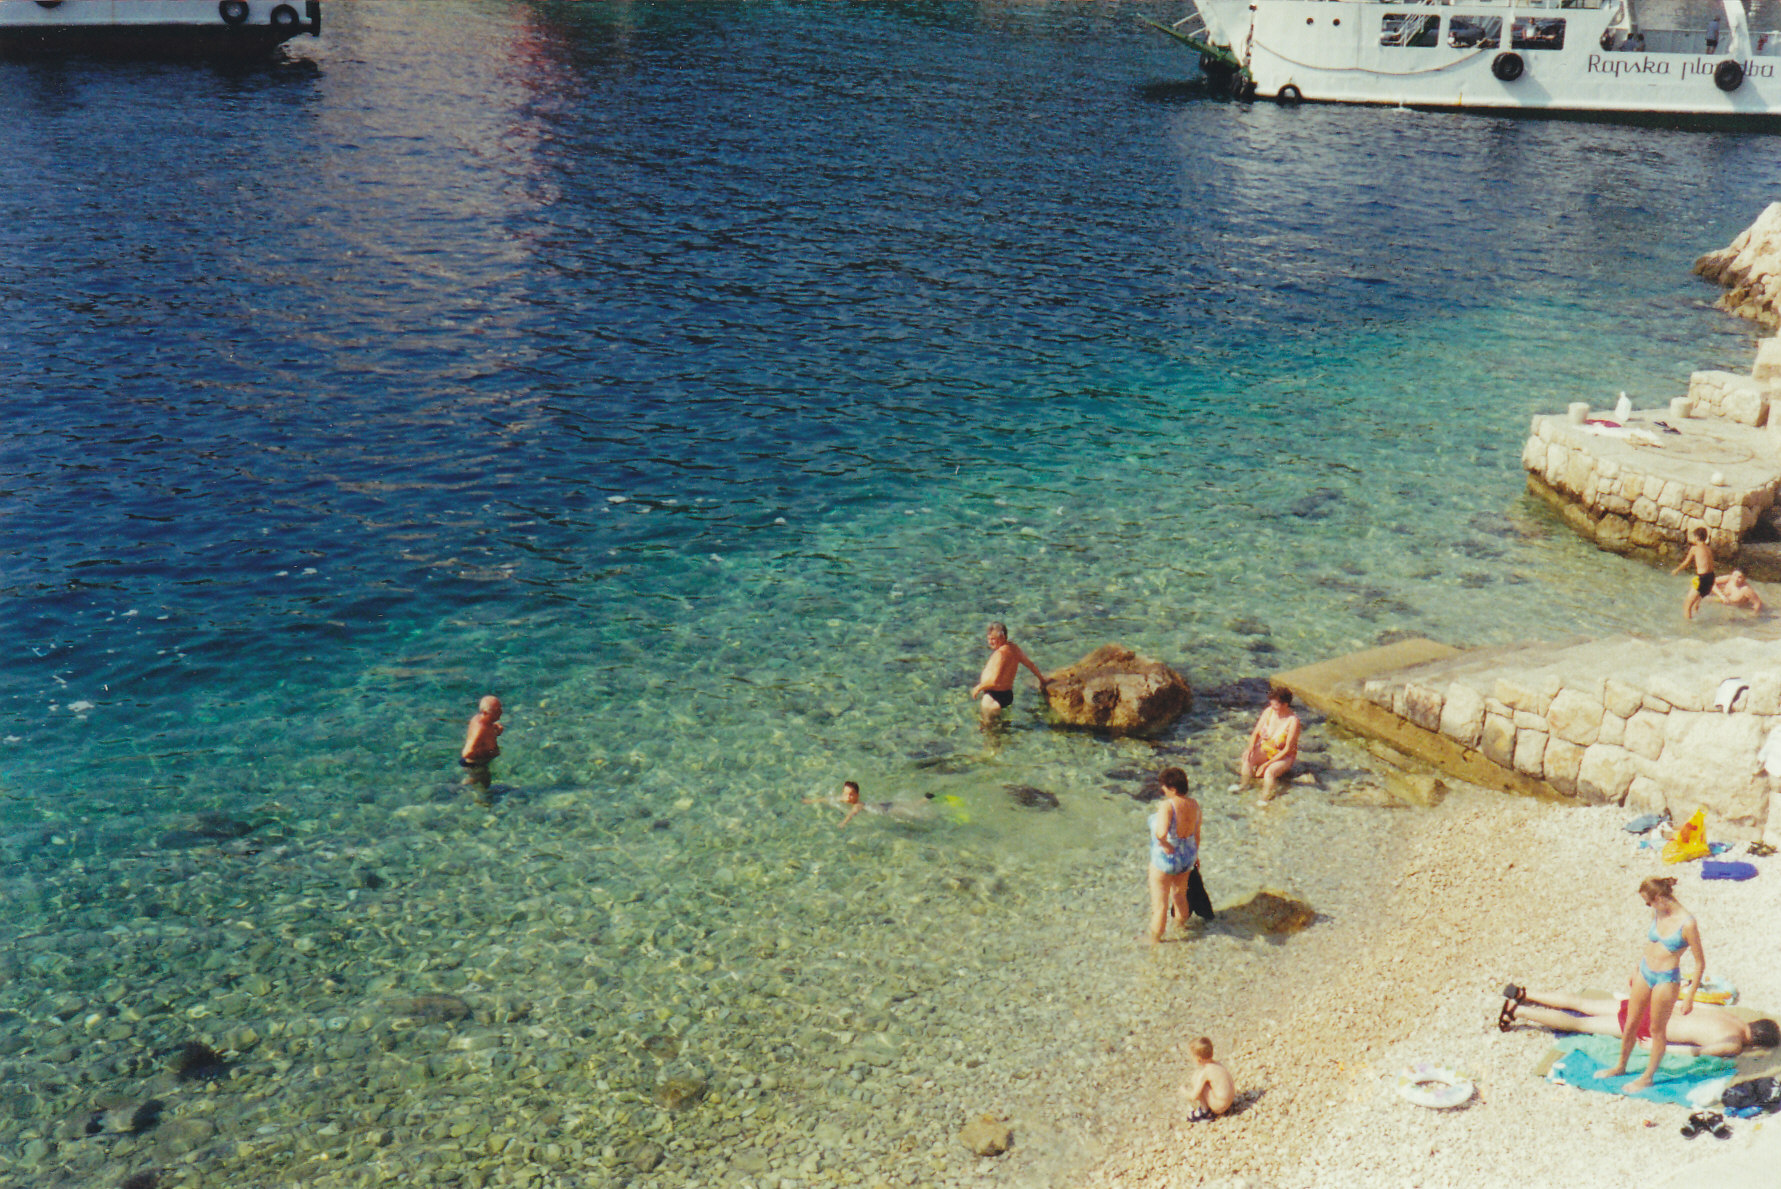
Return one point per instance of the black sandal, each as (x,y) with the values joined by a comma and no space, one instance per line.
(1721,1129)
(1506,1017)
(1700,1121)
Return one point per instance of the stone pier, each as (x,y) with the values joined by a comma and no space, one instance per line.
(1639,483)
(1625,720)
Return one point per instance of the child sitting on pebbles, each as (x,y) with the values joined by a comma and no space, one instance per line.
(1209,1087)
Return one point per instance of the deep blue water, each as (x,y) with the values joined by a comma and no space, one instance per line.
(337,364)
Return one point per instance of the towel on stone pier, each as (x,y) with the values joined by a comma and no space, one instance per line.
(1684,1079)
(1725,698)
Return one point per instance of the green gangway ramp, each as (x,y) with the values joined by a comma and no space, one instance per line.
(1203,48)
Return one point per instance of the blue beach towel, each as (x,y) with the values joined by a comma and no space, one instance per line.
(1727,869)
(1683,1079)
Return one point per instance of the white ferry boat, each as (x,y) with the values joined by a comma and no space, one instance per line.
(1538,55)
(178,28)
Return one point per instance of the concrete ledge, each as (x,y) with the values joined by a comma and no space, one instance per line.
(1333,688)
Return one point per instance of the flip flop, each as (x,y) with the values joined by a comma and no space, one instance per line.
(1698,1122)
(1199,1115)
(1719,1127)
(1506,1017)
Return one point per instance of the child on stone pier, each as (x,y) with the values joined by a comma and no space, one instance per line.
(1701,555)
(1209,1087)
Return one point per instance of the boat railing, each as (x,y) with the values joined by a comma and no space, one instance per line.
(1694,41)
(1488,3)
(1193,25)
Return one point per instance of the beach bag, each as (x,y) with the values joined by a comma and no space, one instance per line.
(1198,902)
(1762,1093)
(1690,841)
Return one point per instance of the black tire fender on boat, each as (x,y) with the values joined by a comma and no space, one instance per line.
(233,12)
(1289,95)
(1507,67)
(285,17)
(1728,76)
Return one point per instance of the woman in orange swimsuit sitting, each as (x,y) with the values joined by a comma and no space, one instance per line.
(1273,744)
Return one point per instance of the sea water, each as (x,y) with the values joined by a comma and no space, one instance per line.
(701,379)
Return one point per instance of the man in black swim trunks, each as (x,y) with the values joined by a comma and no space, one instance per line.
(994,690)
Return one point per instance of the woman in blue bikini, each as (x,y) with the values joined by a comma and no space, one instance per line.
(1174,850)
(1658,984)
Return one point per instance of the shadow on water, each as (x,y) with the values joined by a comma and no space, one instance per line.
(1168,91)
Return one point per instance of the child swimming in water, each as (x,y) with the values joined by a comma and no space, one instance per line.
(905,811)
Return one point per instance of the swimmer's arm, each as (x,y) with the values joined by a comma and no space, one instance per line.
(853,811)
(1028,662)
(1687,557)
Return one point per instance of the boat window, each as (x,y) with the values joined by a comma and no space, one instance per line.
(1466,32)
(1411,29)
(1538,33)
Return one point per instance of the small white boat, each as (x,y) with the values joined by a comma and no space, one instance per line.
(153,28)
(1535,55)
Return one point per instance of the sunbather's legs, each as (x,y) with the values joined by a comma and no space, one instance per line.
(1564,1021)
(1589,1005)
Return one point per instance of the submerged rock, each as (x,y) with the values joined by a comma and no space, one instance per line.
(199,1062)
(1030,797)
(678,1093)
(434,1009)
(987,1136)
(641,1155)
(663,1048)
(1269,912)
(1115,689)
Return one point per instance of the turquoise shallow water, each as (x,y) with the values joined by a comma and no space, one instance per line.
(700,378)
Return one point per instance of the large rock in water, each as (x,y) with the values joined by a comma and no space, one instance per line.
(1115,689)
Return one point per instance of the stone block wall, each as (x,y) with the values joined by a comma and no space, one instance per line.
(1624,507)
(1612,722)
(1730,396)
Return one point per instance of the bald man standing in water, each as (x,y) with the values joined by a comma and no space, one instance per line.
(994,690)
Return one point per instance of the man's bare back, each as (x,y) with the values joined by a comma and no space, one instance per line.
(480,737)
(1210,1086)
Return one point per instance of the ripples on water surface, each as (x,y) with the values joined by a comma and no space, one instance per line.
(700,378)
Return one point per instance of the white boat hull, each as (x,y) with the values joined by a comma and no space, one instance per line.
(1414,55)
(153,28)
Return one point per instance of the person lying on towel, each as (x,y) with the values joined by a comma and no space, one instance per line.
(1707,1029)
